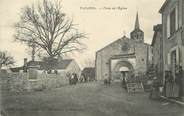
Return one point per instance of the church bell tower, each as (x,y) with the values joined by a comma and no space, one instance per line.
(137,34)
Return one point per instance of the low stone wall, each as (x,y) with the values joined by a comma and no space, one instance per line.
(47,81)
(19,82)
(16,82)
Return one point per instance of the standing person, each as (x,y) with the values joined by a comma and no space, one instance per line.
(155,94)
(179,81)
(165,82)
(124,80)
(85,78)
(75,78)
(72,79)
(81,78)
(69,78)
(169,84)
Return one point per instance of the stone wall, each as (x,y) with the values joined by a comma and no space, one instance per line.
(19,82)
(47,81)
(138,54)
(16,82)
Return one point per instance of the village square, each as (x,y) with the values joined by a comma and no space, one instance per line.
(126,77)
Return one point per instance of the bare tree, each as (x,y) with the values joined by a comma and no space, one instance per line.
(5,60)
(45,26)
(89,62)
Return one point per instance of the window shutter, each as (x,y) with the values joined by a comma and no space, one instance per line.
(169,58)
(168,25)
(177,56)
(176,17)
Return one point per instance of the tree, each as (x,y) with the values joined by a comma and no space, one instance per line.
(5,60)
(45,26)
(89,62)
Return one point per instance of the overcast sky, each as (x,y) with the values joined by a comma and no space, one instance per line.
(102,25)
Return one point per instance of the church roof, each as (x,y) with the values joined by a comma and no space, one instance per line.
(118,40)
(137,26)
(136,30)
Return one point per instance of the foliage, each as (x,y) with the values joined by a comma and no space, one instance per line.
(89,62)
(151,72)
(5,59)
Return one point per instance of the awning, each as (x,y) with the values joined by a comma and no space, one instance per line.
(124,69)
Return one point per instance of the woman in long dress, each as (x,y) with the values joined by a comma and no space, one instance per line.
(179,82)
(169,84)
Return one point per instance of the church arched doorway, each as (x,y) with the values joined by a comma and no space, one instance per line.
(122,68)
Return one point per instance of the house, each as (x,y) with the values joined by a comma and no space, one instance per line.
(157,48)
(89,72)
(124,53)
(62,67)
(173,34)
(172,12)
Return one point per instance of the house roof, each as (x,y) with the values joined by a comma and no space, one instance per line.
(16,69)
(163,6)
(89,71)
(156,28)
(63,64)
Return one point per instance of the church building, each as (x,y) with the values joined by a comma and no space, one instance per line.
(124,53)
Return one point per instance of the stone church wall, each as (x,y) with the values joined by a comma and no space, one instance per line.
(141,58)
(103,57)
(102,60)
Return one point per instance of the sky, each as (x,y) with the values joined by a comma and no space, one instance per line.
(104,21)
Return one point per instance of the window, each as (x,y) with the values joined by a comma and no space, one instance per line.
(172,21)
(173,58)
(173,61)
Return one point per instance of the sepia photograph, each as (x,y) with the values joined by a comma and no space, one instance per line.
(92,58)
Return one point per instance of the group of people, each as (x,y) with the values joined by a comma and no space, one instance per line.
(83,78)
(173,87)
(73,79)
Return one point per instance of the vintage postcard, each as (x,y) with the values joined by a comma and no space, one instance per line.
(92,58)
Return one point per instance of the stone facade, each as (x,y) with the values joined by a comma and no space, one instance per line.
(173,34)
(157,46)
(125,52)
